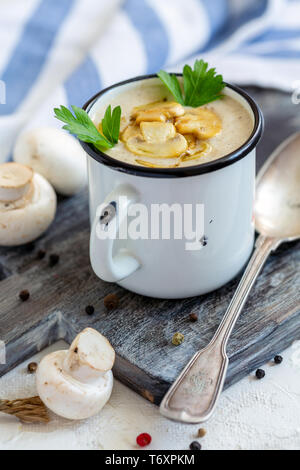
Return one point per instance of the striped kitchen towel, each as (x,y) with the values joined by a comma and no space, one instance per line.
(63,51)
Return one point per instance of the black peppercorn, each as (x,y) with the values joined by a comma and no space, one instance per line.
(89,309)
(260,373)
(195,445)
(53,260)
(24,295)
(41,254)
(278,359)
(32,367)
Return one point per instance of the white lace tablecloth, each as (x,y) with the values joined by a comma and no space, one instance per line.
(252,414)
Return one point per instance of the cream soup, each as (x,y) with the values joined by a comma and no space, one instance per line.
(234,120)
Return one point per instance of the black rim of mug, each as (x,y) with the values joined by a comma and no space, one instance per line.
(199,169)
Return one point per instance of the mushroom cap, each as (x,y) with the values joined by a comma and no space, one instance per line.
(54,154)
(25,219)
(67,396)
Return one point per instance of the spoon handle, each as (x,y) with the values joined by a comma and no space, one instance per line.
(193,396)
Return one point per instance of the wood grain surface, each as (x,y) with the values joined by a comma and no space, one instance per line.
(141,328)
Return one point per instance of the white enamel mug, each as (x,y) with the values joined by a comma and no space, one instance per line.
(164,268)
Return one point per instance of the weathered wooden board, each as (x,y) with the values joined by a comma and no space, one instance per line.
(141,328)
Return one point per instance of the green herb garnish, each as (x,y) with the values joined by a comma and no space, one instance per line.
(111,124)
(83,127)
(173,85)
(200,86)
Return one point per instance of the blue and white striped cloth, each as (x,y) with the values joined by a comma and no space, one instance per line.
(63,51)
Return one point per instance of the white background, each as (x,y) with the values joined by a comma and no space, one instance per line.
(252,414)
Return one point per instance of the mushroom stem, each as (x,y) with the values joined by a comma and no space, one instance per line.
(89,358)
(15,181)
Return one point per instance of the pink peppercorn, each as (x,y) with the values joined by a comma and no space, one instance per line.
(143,439)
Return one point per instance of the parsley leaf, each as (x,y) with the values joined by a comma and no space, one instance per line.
(81,125)
(173,85)
(201,85)
(111,124)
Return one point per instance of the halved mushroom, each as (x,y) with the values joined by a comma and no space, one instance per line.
(159,111)
(90,356)
(77,383)
(202,122)
(27,204)
(157,132)
(158,140)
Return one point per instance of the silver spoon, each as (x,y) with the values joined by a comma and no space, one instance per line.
(193,396)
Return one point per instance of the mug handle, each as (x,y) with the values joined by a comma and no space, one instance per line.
(110,217)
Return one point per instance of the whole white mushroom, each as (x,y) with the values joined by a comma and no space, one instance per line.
(54,154)
(27,204)
(77,383)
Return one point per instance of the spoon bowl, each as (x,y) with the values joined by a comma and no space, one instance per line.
(277,204)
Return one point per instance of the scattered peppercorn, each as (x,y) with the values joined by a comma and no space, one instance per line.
(53,260)
(143,439)
(24,295)
(89,309)
(201,432)
(177,339)
(41,254)
(111,301)
(195,445)
(193,317)
(278,359)
(260,373)
(32,367)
